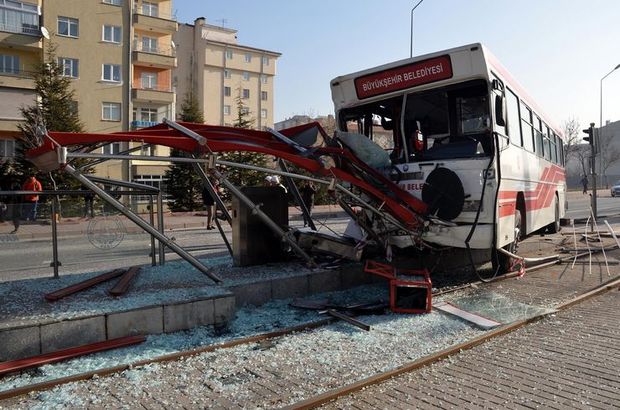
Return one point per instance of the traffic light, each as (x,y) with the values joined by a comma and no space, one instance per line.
(590,137)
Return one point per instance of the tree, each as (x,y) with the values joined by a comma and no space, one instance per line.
(190,109)
(572,138)
(54,110)
(244,177)
(184,186)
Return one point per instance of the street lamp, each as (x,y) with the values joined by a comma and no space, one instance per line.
(606,75)
(411,46)
(601,118)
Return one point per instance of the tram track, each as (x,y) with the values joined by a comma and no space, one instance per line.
(376,379)
(50,384)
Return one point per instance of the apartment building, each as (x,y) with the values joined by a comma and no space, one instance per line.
(20,50)
(218,69)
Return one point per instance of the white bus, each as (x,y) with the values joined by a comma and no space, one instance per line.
(467,139)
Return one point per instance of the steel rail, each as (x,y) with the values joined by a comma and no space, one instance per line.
(334,394)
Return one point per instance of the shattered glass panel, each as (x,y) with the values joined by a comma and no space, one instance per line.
(498,307)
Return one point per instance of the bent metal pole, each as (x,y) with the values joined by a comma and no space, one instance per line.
(141,223)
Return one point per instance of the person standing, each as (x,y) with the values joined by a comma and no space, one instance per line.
(31,201)
(89,198)
(584,182)
(209,202)
(14,207)
(307,195)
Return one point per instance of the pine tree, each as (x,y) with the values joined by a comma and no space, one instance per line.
(54,110)
(184,186)
(244,177)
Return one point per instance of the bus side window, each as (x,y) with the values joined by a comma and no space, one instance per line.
(527,130)
(512,114)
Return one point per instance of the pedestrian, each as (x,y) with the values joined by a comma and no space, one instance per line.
(31,201)
(209,202)
(307,195)
(584,182)
(89,198)
(14,207)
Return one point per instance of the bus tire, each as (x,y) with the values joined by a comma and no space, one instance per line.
(554,227)
(504,262)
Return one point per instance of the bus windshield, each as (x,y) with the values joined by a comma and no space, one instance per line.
(442,123)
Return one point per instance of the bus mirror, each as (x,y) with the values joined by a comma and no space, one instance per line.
(499,111)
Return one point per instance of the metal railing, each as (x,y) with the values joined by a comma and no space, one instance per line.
(155,13)
(139,46)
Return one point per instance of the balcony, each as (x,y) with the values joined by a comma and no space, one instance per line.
(152,95)
(143,124)
(153,57)
(19,79)
(154,20)
(19,25)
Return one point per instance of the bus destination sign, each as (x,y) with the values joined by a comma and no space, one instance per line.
(406,76)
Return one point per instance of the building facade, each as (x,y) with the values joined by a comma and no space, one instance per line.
(218,70)
(21,48)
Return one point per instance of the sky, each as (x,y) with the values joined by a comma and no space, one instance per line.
(559,50)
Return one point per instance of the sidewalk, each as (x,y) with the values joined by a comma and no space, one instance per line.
(172,221)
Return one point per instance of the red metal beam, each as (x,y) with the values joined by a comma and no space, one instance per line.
(53,357)
(123,283)
(69,290)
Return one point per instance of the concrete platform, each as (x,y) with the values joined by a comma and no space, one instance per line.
(161,299)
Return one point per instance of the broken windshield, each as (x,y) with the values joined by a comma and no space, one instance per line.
(443,123)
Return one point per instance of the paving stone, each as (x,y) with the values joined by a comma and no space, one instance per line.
(188,315)
(254,294)
(135,322)
(19,343)
(291,287)
(71,333)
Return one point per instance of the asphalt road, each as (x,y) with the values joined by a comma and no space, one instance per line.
(579,207)
(32,258)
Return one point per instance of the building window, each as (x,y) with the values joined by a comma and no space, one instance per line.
(113,148)
(248,57)
(111,72)
(263,95)
(227,110)
(149,44)
(156,181)
(149,80)
(246,76)
(9,64)
(246,93)
(69,67)
(110,111)
(226,91)
(113,2)
(7,148)
(148,114)
(263,113)
(265,60)
(68,27)
(18,17)
(112,34)
(244,111)
(263,78)
(226,73)
(150,9)
(229,54)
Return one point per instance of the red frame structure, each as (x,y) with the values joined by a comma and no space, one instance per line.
(390,197)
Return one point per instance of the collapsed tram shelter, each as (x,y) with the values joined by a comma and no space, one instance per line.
(355,185)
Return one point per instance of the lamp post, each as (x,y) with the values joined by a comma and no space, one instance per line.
(411,46)
(601,119)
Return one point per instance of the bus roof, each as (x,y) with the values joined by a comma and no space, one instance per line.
(437,69)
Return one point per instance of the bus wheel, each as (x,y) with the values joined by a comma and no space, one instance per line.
(554,227)
(504,262)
